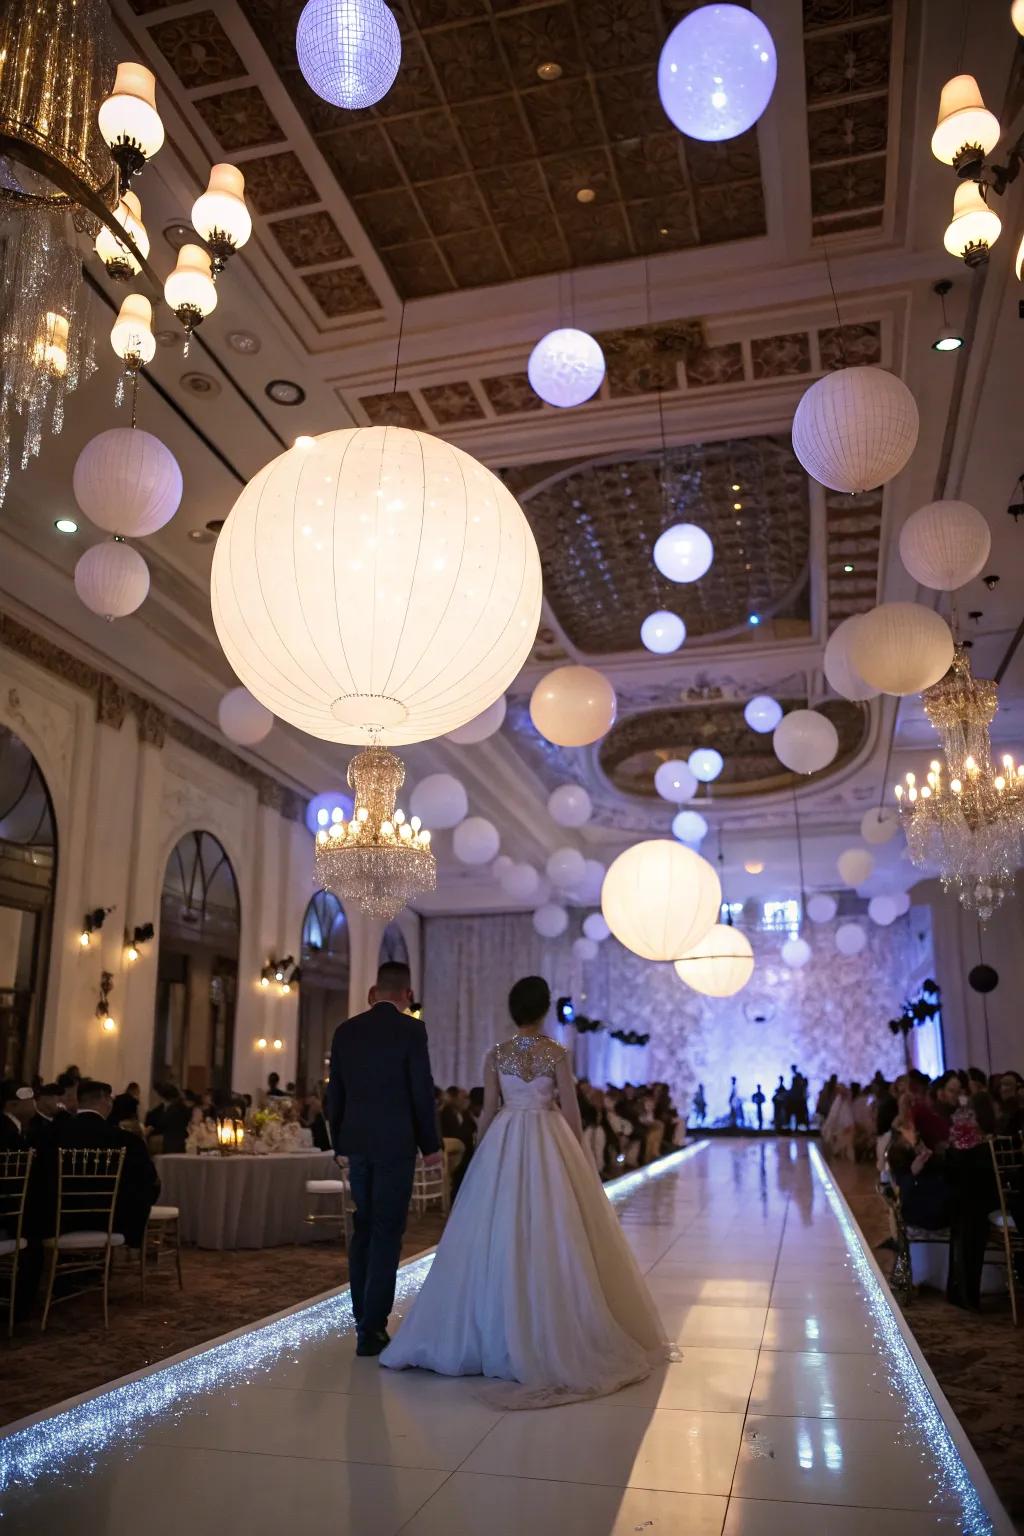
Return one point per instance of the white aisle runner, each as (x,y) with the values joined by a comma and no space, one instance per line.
(797,1408)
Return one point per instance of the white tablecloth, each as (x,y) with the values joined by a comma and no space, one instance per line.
(243,1201)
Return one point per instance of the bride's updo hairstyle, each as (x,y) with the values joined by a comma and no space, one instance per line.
(529,1001)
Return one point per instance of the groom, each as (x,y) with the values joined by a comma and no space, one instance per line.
(380,1105)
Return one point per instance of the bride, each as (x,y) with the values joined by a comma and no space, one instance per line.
(533,1281)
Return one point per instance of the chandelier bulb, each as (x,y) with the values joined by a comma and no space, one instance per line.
(129,121)
(220,216)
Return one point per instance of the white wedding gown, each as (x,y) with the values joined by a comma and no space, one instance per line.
(533,1281)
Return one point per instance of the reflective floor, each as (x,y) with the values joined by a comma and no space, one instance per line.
(794,1407)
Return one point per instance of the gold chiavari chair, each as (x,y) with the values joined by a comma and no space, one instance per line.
(15,1169)
(1008,1163)
(430,1184)
(88,1179)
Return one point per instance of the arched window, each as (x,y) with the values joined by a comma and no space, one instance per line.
(393,946)
(324,932)
(28,872)
(323,992)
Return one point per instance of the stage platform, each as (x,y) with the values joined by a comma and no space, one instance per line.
(800,1405)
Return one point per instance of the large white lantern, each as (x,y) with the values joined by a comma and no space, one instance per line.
(112,579)
(569,805)
(127,482)
(662,632)
(879,824)
(440,801)
(945,544)
(838,669)
(762,713)
(901,648)
(720,965)
(683,552)
(573,706)
(689,827)
(821,908)
(244,719)
(376,583)
(850,939)
(566,869)
(855,866)
(566,367)
(348,50)
(883,910)
(476,841)
(795,954)
(595,927)
(716,72)
(659,899)
(482,727)
(520,883)
(675,781)
(855,428)
(551,920)
(804,741)
(705,764)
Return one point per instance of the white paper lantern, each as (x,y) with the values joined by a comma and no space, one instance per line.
(838,669)
(566,868)
(716,72)
(566,367)
(883,910)
(484,726)
(569,805)
(705,764)
(521,882)
(376,578)
(805,741)
(127,482)
(901,901)
(662,632)
(720,965)
(855,866)
(901,648)
(762,713)
(440,801)
(348,50)
(660,898)
(595,927)
(689,827)
(854,429)
(584,949)
(683,553)
(880,824)
(501,867)
(821,908)
(573,706)
(243,718)
(675,781)
(796,953)
(551,920)
(475,841)
(945,544)
(112,579)
(850,938)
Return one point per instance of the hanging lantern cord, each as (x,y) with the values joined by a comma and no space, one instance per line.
(799,853)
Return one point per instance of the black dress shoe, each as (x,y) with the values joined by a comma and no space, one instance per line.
(372,1343)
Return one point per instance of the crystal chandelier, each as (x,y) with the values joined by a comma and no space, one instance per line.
(967,819)
(378,860)
(74,130)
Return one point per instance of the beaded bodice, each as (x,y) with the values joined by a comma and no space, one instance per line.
(527,1057)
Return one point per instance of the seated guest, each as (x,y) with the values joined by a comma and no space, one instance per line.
(92,1127)
(125,1110)
(314,1120)
(474,1109)
(457,1126)
(274,1089)
(68,1085)
(42,1127)
(18,1108)
(167,1122)
(917,1173)
(930,1111)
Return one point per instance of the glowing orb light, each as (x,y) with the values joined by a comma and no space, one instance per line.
(762,713)
(706,764)
(659,899)
(566,367)
(349,50)
(689,827)
(662,632)
(717,72)
(683,553)
(720,965)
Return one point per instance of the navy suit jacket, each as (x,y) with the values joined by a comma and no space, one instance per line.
(380,1098)
(381,1092)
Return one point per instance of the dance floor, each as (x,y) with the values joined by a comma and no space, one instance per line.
(798,1406)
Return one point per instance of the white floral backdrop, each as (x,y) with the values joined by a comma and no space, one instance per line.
(829,1017)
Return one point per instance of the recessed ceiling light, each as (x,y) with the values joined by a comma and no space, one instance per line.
(244,341)
(550,70)
(585,195)
(736,486)
(737,506)
(201,536)
(66,525)
(178,235)
(168,338)
(848,569)
(754,619)
(285,392)
(200,384)
(663,231)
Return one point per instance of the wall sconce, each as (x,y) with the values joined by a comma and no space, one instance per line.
(140,935)
(278,1045)
(261,1043)
(284,972)
(92,923)
(107,1024)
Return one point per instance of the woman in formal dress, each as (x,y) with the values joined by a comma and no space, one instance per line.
(533,1282)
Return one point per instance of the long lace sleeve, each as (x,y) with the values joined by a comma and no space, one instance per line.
(567,1101)
(492,1095)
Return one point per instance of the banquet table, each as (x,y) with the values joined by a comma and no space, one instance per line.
(243,1201)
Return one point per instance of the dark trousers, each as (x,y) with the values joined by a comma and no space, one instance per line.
(381,1190)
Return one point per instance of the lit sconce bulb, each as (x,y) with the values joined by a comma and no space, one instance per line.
(190,290)
(415,823)
(261,1043)
(286,988)
(85,939)
(926,793)
(424,838)
(279,975)
(386,829)
(337,829)
(1000,782)
(399,817)
(935,765)
(911,778)
(131,335)
(974,228)
(278,1045)
(405,832)
(970,764)
(129,121)
(337,814)
(322,818)
(955,785)
(899,791)
(912,794)
(51,349)
(1008,761)
(108,1025)
(362,814)
(966,130)
(220,215)
(321,837)
(118,258)
(264,981)
(132,952)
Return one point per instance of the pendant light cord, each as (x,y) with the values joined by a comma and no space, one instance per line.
(799,853)
(835,300)
(398,349)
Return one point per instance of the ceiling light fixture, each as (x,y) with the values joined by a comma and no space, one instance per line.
(949,338)
(285,392)
(549,71)
(66,525)
(966,130)
(585,195)
(848,569)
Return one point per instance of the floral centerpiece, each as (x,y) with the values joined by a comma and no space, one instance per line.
(271,1130)
(202,1136)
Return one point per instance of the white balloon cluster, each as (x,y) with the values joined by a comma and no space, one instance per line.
(821,908)
(242,718)
(896,648)
(569,805)
(440,801)
(675,781)
(129,484)
(805,741)
(573,706)
(855,866)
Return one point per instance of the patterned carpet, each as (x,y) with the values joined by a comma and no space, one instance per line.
(978,1358)
(223,1291)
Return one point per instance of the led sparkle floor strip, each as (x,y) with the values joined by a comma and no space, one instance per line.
(922,1413)
(73,1439)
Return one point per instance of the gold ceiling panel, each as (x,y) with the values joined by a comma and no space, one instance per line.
(848,64)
